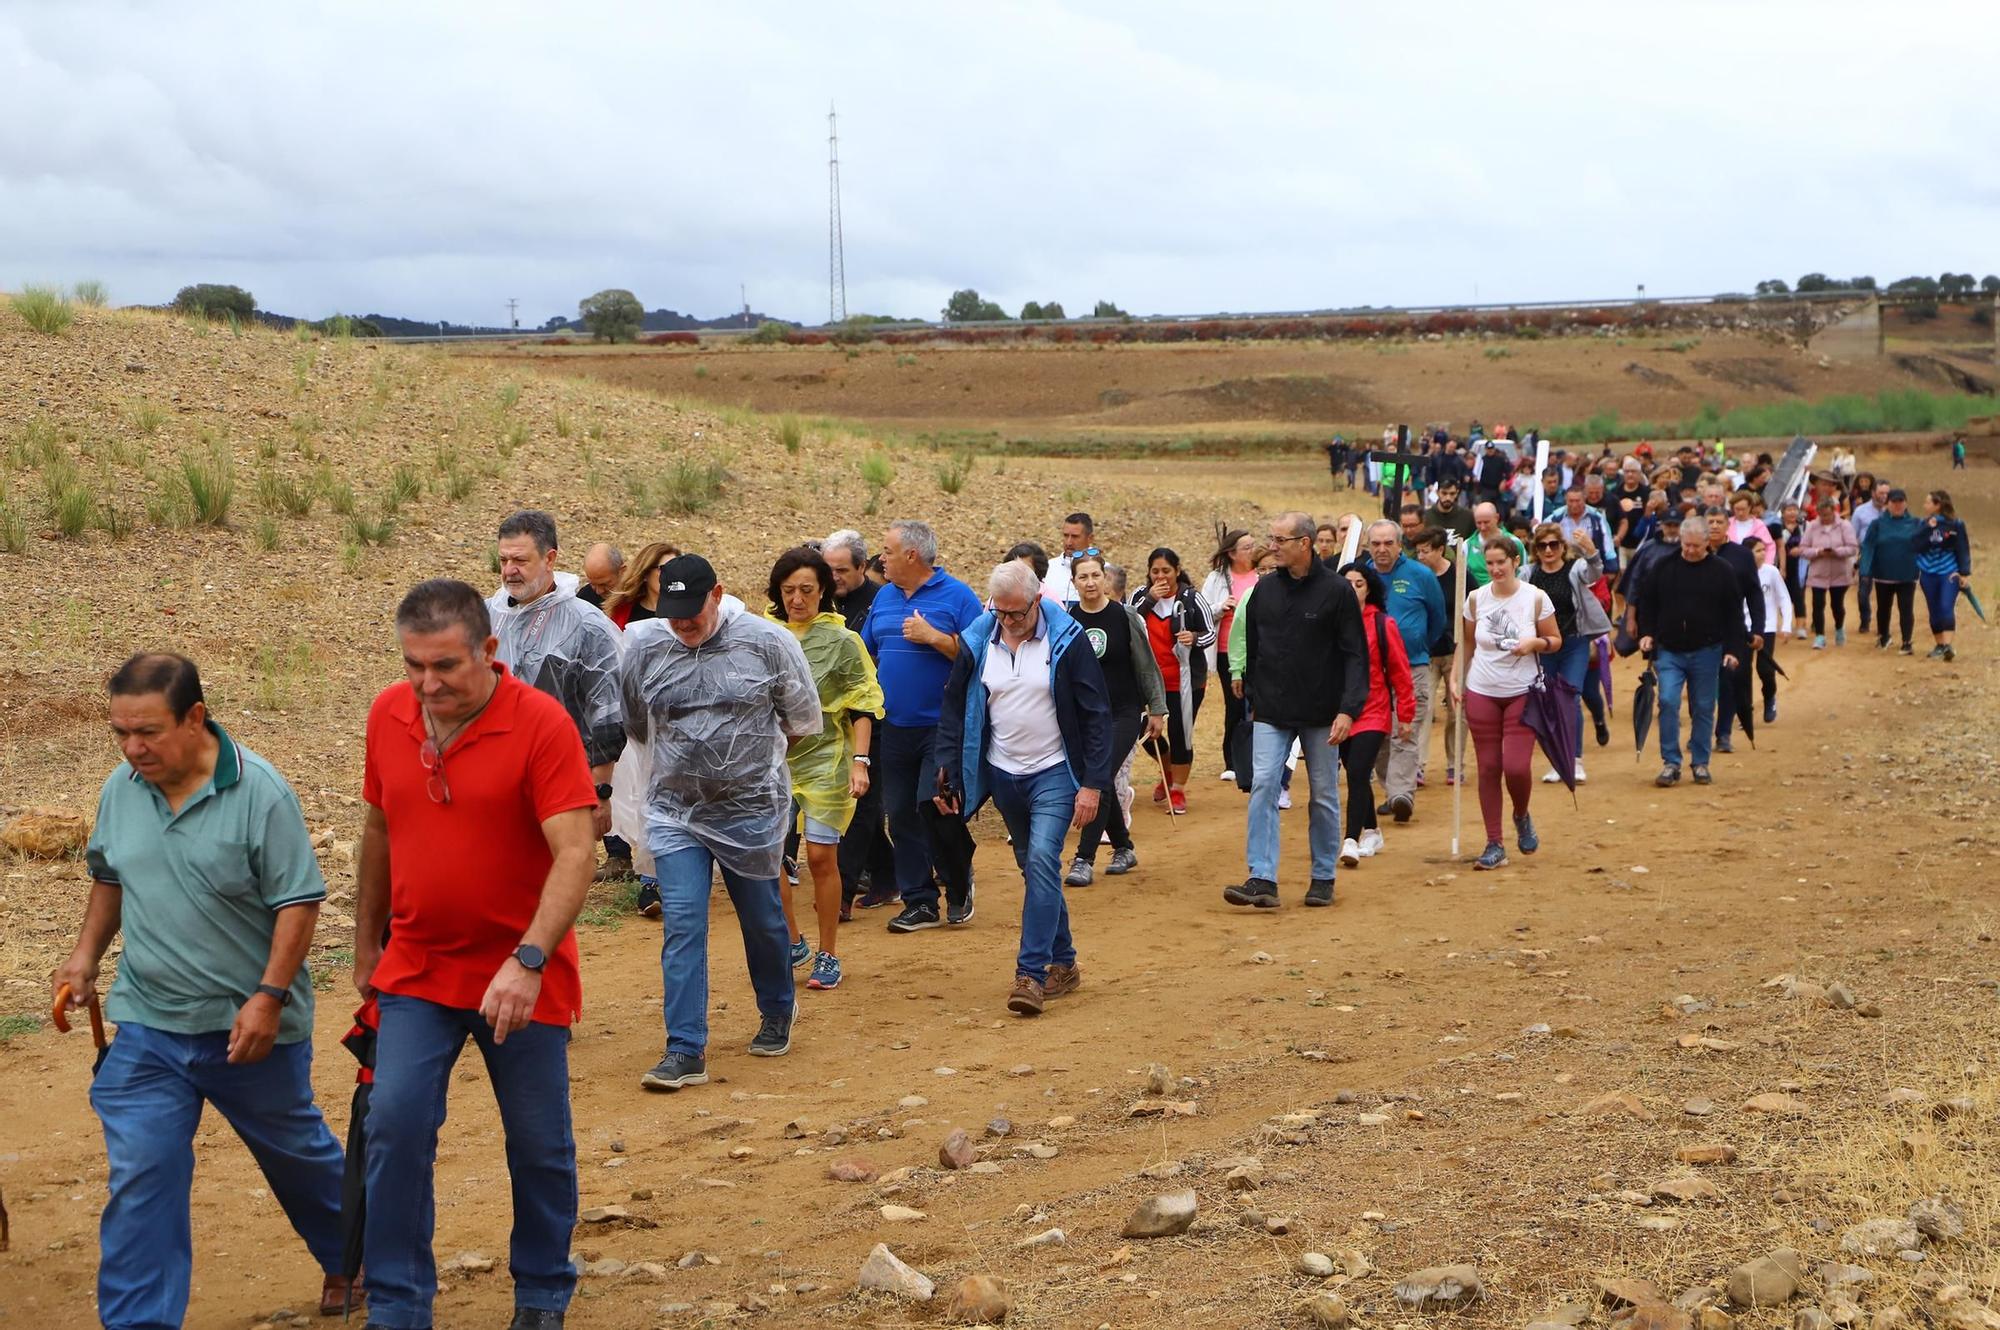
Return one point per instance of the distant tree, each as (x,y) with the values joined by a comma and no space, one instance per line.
(1861,283)
(967,307)
(1920,294)
(612,315)
(1990,284)
(215,301)
(1053,309)
(769,333)
(1106,310)
(556,323)
(1956,285)
(1814,281)
(1774,287)
(1032,310)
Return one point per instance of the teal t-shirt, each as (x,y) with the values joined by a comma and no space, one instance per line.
(201,890)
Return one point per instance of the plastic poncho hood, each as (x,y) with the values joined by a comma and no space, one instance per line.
(569,650)
(717,718)
(844,674)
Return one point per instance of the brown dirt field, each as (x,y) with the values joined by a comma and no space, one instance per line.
(1853,845)
(1250,390)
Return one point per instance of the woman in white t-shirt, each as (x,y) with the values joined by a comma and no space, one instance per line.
(1508,622)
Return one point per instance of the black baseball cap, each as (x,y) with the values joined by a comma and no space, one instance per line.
(685,582)
(1897,496)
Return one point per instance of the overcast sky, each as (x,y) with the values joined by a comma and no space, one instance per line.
(431,159)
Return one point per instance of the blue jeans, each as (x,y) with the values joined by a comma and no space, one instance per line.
(685,878)
(1270,745)
(149,1094)
(1037,810)
(1698,672)
(417,1047)
(1572,664)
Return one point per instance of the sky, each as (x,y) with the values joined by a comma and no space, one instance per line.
(432,160)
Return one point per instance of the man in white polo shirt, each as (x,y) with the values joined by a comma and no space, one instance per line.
(1027,719)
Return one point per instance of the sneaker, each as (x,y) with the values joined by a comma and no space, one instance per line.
(616,868)
(1383,809)
(1550,777)
(1906,650)
(1668,776)
(1228,775)
(1493,856)
(1451,775)
(1819,642)
(1724,746)
(1936,653)
(1350,853)
(1179,804)
(1770,712)
(960,912)
(1800,633)
(1160,792)
(774,1037)
(1080,874)
(649,898)
(1061,979)
(915,918)
(1701,776)
(791,870)
(847,910)
(1026,999)
(825,971)
(1284,800)
(1524,834)
(676,1070)
(1259,892)
(1320,892)
(1603,730)
(1950,655)
(1122,861)
(876,897)
(1882,643)
(535,1318)
(801,952)
(1370,842)
(1840,637)
(1402,807)
(1580,776)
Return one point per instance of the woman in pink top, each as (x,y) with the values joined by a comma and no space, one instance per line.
(1829,549)
(1232,572)
(1746,528)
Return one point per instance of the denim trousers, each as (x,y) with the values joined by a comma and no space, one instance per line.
(685,878)
(1697,672)
(415,1051)
(1037,810)
(906,765)
(150,1094)
(1270,745)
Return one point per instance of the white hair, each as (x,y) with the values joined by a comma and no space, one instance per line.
(917,537)
(1014,578)
(850,540)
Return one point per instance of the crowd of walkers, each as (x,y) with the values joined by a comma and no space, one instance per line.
(830,733)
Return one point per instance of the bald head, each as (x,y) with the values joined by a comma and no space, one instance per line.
(601,566)
(1486,517)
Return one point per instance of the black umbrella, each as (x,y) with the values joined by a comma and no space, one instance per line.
(61,1018)
(359,1041)
(1741,688)
(1644,702)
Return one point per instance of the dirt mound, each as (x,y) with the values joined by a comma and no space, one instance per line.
(1755,373)
(1647,374)
(1285,397)
(1936,369)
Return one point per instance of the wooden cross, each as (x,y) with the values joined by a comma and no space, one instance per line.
(1406,462)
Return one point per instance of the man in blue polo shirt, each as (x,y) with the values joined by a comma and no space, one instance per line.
(201,858)
(1416,603)
(912,631)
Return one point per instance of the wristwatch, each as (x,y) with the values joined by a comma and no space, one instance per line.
(530,957)
(603,792)
(283,996)
(863,759)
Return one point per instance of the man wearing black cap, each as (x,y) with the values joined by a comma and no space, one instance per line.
(719,697)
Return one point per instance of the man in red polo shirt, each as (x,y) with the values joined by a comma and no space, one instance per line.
(475,859)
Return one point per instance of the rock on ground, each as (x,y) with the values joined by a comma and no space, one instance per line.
(978,1300)
(957,1151)
(1766,1281)
(1881,1237)
(46,833)
(884,1272)
(1440,1286)
(1938,1218)
(1326,1309)
(1163,1216)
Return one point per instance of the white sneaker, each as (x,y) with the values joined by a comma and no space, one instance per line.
(1550,778)
(1228,775)
(1580,777)
(1284,799)
(1350,853)
(1371,843)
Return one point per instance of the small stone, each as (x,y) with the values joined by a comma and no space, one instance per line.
(1714,1318)
(1440,1286)
(1628,1292)
(1697,1108)
(1317,1264)
(852,1170)
(471,1262)
(1163,1216)
(605,1268)
(1053,1237)
(1957,1307)
(1166,1168)
(1260,958)
(1777,1105)
(1706,1154)
(983,1167)
(1616,1103)
(1766,1281)
(912,1101)
(1630,1197)
(1843,1310)
(1914,1255)
(1653,1316)
(646,1272)
(1657,1223)
(604,1214)
(1041,1151)
(1355,1264)
(1021,1069)
(741,1152)
(1372,1120)
(694,1260)
(1880,1237)
(1915,1147)
(884,1272)
(1061,1122)
(1841,996)
(1938,1219)
(1278,1225)
(1812,1318)
(1958,1106)
(1244,1177)
(902,1214)
(1687,1190)
(978,1300)
(1509,1097)
(1158,1079)
(1835,1274)
(1000,1127)
(1903,1097)
(1326,1309)
(957,1151)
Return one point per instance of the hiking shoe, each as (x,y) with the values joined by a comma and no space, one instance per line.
(1770,712)
(1950,654)
(535,1318)
(1701,776)
(1524,834)
(1122,861)
(1451,775)
(1819,642)
(958,912)
(847,910)
(1668,776)
(1724,746)
(1179,804)
(1603,731)
(1493,856)
(1370,842)
(1160,792)
(1284,800)
(774,1037)
(1882,643)
(1081,873)
(1906,650)
(915,918)
(1260,892)
(791,870)
(1402,807)
(801,952)
(1228,775)
(1935,653)
(649,899)
(1061,979)
(825,971)
(1026,998)
(616,868)
(1840,637)
(1350,853)
(1385,808)
(676,1070)
(1320,892)
(876,897)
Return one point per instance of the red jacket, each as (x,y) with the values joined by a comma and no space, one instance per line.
(1375,715)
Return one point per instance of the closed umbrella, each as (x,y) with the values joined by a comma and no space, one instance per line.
(1973,601)
(1745,704)
(61,1018)
(1550,710)
(360,1041)
(1644,703)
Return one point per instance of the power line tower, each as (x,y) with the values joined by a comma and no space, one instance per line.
(513,319)
(836,262)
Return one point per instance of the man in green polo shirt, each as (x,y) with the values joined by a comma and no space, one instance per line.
(201,858)
(1486,518)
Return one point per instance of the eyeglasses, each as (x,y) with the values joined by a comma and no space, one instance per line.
(1548,544)
(1286,540)
(433,762)
(1013,616)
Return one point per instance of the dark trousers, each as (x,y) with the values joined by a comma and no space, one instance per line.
(1767,669)
(1819,597)
(1725,703)
(1904,596)
(1862,595)
(1234,715)
(907,766)
(1110,819)
(864,846)
(1358,756)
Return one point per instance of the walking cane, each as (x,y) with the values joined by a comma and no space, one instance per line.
(1153,746)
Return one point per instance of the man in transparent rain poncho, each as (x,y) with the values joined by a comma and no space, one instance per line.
(720,699)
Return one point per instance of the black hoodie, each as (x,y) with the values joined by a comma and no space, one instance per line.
(1306,656)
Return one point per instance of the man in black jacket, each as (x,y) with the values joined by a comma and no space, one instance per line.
(1690,610)
(867,861)
(1744,564)
(1305,677)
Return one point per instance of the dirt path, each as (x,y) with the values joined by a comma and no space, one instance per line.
(1839,848)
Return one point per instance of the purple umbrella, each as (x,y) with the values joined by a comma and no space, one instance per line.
(1550,710)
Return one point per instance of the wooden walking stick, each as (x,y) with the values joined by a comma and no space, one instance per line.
(1153,746)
